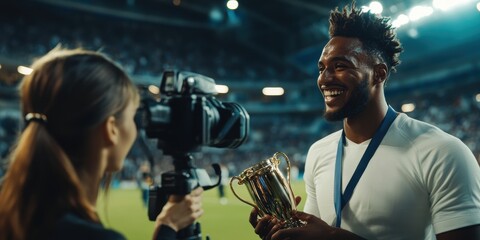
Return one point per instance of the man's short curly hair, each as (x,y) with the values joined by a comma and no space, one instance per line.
(375,32)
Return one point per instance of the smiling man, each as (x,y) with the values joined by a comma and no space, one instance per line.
(385,175)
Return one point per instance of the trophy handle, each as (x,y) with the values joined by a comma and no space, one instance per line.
(288,164)
(234,193)
(288,169)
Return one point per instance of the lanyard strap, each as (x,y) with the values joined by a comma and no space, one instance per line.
(342,199)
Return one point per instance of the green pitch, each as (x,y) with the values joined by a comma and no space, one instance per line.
(123,211)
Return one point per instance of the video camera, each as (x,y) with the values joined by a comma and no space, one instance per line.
(186,117)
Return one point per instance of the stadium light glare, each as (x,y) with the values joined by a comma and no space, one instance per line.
(412,32)
(375,7)
(273,91)
(153,89)
(24,70)
(419,12)
(232,4)
(477,97)
(216,15)
(0,66)
(401,20)
(478,6)
(408,107)
(446,5)
(393,8)
(221,88)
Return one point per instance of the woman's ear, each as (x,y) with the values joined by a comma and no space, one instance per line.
(380,73)
(110,131)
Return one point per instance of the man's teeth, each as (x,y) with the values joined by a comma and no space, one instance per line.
(332,93)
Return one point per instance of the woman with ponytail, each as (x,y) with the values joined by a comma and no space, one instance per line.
(79,109)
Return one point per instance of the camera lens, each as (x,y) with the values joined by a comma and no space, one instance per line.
(233,127)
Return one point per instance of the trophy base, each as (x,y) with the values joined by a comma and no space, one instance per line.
(293,223)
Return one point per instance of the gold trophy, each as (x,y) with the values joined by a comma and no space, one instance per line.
(271,193)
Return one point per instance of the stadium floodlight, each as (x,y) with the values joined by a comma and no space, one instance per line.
(477,97)
(221,88)
(408,107)
(419,12)
(153,89)
(375,7)
(446,5)
(365,8)
(478,6)
(24,70)
(273,91)
(216,15)
(413,33)
(401,20)
(232,4)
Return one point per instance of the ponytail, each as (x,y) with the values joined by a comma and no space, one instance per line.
(39,186)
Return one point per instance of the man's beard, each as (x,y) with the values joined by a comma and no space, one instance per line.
(354,105)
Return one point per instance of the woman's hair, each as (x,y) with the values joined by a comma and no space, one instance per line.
(375,32)
(76,90)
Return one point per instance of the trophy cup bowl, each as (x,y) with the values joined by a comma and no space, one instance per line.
(271,193)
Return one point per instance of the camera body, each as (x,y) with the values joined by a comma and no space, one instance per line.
(184,118)
(188,116)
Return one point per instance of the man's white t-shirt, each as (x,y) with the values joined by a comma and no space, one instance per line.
(420,182)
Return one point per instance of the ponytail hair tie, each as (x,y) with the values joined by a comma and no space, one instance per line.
(38,117)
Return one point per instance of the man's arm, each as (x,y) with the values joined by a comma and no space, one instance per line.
(454,191)
(466,233)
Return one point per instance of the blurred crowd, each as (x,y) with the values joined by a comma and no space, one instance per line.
(289,133)
(144,49)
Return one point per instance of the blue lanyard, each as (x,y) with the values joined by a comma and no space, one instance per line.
(342,199)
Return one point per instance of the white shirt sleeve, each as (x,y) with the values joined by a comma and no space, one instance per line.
(453,180)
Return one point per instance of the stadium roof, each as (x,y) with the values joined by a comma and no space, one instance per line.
(294,31)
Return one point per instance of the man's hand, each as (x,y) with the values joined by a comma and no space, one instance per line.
(314,229)
(266,226)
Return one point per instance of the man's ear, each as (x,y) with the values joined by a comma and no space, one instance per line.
(380,72)
(110,130)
